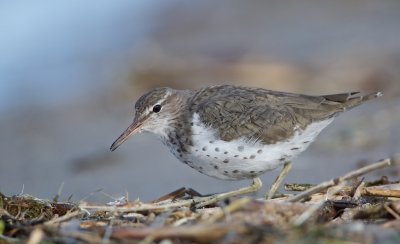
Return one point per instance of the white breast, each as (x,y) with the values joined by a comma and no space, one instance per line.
(240,159)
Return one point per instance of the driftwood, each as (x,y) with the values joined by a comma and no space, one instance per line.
(324,212)
(326,184)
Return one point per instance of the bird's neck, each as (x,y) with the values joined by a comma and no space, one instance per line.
(172,126)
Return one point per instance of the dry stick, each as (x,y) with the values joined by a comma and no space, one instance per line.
(233,207)
(358,192)
(36,236)
(64,218)
(376,191)
(314,208)
(297,187)
(391,211)
(325,185)
(142,207)
(198,202)
(83,236)
(163,206)
(198,233)
(255,186)
(373,191)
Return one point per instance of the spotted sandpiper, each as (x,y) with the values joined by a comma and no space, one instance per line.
(234,133)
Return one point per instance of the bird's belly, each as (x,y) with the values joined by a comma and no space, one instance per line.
(241,159)
(235,161)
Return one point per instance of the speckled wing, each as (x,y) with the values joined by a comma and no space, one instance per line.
(263,115)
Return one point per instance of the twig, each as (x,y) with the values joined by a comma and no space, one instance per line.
(358,191)
(8,239)
(63,218)
(172,195)
(197,233)
(233,207)
(391,211)
(314,208)
(36,236)
(374,191)
(141,207)
(84,236)
(325,185)
(297,187)
(162,206)
(57,196)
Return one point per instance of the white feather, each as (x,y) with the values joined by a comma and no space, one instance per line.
(243,158)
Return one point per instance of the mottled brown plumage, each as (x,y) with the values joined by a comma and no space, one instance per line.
(232,132)
(265,115)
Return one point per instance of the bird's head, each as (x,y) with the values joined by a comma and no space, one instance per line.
(155,112)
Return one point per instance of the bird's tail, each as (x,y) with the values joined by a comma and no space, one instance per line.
(351,99)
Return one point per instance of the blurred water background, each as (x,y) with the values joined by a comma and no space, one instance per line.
(70,72)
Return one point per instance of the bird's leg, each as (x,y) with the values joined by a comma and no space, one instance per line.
(204,201)
(278,181)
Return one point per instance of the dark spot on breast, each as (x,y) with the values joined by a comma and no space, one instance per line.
(305,142)
(185,162)
(178,150)
(252,156)
(225,152)
(282,159)
(295,148)
(236,156)
(226,161)
(225,172)
(245,158)
(191,124)
(211,142)
(204,148)
(235,171)
(215,167)
(180,155)
(208,155)
(252,172)
(240,148)
(259,151)
(200,167)
(217,149)
(216,157)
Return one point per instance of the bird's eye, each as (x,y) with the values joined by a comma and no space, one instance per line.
(157,108)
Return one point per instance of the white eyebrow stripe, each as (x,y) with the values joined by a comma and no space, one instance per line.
(158,102)
(164,98)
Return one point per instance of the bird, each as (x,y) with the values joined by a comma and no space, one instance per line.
(234,132)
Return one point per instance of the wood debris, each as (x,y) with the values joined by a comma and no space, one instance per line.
(345,209)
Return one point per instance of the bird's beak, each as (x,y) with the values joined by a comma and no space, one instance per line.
(132,129)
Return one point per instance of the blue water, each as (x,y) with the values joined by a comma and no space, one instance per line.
(53,52)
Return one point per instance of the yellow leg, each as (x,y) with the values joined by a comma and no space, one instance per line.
(278,181)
